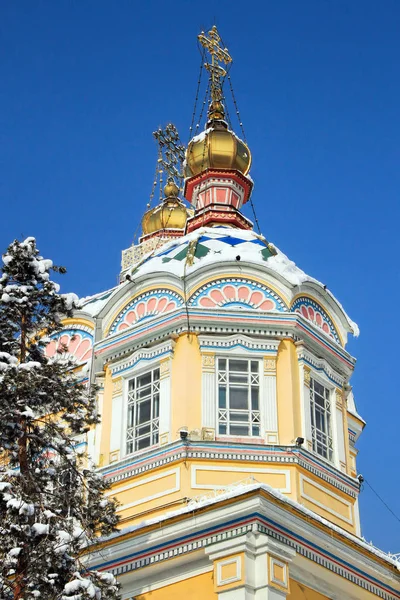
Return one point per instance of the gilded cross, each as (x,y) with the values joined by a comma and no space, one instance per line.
(218,55)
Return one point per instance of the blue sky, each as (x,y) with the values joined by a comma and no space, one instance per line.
(84,85)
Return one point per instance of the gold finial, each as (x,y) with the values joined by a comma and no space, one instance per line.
(217,72)
(171,190)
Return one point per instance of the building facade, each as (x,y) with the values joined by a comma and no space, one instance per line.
(228,422)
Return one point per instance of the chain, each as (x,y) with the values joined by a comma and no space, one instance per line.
(236,106)
(197,93)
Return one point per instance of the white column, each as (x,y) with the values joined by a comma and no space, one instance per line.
(209,395)
(165,401)
(269,409)
(117,443)
(251,567)
(339,442)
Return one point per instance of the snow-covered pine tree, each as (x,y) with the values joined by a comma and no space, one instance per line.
(52,503)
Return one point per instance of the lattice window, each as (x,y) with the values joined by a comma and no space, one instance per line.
(321,420)
(238,397)
(143,411)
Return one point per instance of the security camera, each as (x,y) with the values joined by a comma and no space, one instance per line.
(184,434)
(299,441)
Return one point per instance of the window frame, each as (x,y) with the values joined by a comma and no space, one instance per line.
(330,434)
(253,420)
(149,368)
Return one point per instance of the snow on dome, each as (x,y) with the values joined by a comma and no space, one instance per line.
(218,245)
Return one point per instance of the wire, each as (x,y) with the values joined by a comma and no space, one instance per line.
(382,500)
(197,93)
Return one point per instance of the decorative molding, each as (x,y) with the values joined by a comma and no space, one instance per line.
(269,365)
(199,486)
(216,531)
(221,565)
(313,312)
(208,360)
(235,292)
(310,362)
(230,342)
(306,496)
(148,460)
(278,573)
(76,339)
(164,439)
(339,398)
(165,367)
(175,488)
(146,306)
(117,386)
(130,362)
(307,376)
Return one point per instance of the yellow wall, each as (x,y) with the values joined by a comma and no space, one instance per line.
(301,592)
(195,588)
(186,385)
(288,393)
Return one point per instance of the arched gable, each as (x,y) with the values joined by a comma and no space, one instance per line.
(78,341)
(311,310)
(146,306)
(237,292)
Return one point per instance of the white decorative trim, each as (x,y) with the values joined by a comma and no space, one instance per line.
(244,470)
(269,403)
(130,486)
(273,561)
(208,400)
(237,560)
(124,366)
(329,493)
(117,418)
(165,408)
(321,366)
(245,344)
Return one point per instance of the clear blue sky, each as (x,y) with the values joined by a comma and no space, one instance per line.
(83,86)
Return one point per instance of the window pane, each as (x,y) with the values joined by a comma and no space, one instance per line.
(144,411)
(130,415)
(239,430)
(222,429)
(222,364)
(222,397)
(238,377)
(239,416)
(255,430)
(254,398)
(144,380)
(238,365)
(238,397)
(254,366)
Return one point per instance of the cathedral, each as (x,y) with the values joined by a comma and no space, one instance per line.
(228,424)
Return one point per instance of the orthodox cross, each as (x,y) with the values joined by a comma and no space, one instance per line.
(171,151)
(218,55)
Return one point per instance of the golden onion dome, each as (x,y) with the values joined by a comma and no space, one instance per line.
(171,213)
(217,148)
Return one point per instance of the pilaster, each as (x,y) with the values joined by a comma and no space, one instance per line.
(252,567)
(208,410)
(269,404)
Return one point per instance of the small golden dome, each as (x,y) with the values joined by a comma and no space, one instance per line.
(217,148)
(170,214)
(171,189)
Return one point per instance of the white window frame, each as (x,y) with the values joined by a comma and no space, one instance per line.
(328,416)
(255,417)
(131,434)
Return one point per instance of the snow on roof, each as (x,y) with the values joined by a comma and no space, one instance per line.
(212,245)
(93,304)
(241,489)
